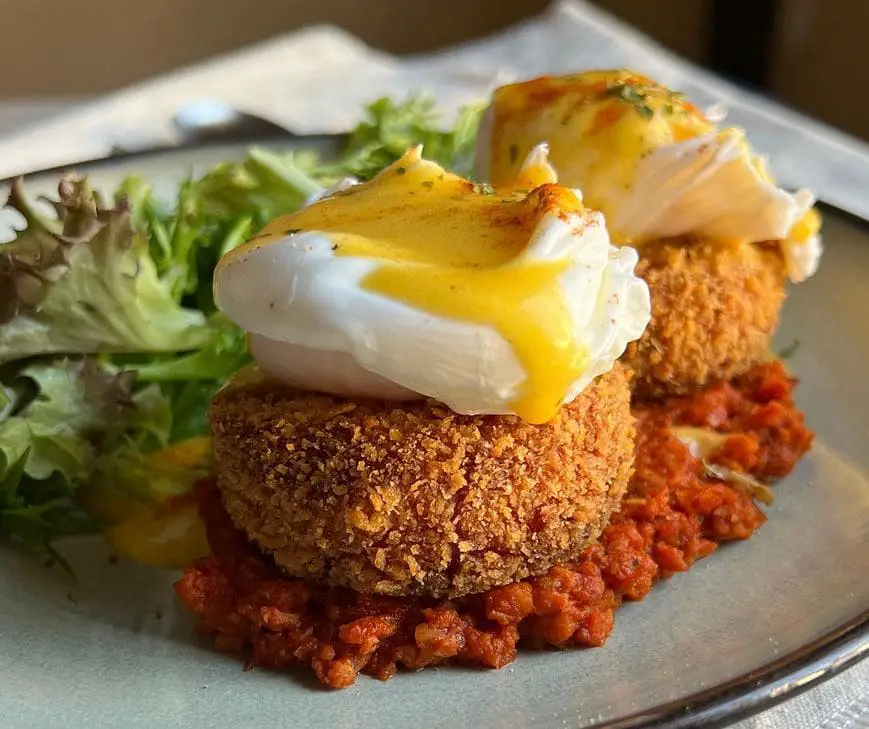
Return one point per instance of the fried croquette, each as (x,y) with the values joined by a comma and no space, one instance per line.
(412,498)
(715,306)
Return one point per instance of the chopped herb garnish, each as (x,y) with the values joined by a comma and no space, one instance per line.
(483,188)
(400,170)
(634,96)
(428,184)
(293,231)
(627,92)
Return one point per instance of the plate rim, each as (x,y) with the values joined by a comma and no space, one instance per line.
(763,688)
(744,696)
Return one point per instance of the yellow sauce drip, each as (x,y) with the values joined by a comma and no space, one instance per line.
(163,528)
(170,535)
(534,175)
(455,250)
(521,303)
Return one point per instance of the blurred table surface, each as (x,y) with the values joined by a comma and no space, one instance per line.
(829,706)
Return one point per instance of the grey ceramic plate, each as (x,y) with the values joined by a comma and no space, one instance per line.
(752,624)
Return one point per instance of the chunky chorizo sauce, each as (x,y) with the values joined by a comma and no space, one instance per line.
(672,516)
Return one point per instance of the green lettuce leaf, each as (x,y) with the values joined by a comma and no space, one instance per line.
(85,283)
(188,381)
(222,356)
(265,185)
(189,403)
(213,215)
(392,128)
(6,403)
(131,476)
(77,405)
(54,440)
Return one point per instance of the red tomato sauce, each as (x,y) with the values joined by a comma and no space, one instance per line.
(672,516)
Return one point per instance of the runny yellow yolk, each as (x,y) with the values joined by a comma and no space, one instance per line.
(455,250)
(807,226)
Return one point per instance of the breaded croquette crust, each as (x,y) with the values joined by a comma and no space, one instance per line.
(715,307)
(413,499)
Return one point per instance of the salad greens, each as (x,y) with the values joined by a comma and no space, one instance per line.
(393,128)
(110,344)
(64,414)
(85,283)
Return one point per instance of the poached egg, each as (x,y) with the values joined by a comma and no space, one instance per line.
(651,161)
(419,283)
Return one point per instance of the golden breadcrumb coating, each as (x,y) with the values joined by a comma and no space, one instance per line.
(715,306)
(411,498)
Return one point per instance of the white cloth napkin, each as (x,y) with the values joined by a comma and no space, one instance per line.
(841,703)
(316,80)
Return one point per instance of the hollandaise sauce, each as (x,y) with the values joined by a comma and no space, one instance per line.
(458,250)
(598,125)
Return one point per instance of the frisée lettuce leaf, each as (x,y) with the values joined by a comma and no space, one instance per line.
(85,283)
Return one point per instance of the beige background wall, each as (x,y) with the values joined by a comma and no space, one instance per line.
(90,46)
(822,61)
(81,47)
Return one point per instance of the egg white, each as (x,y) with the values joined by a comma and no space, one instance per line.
(708,186)
(314,325)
